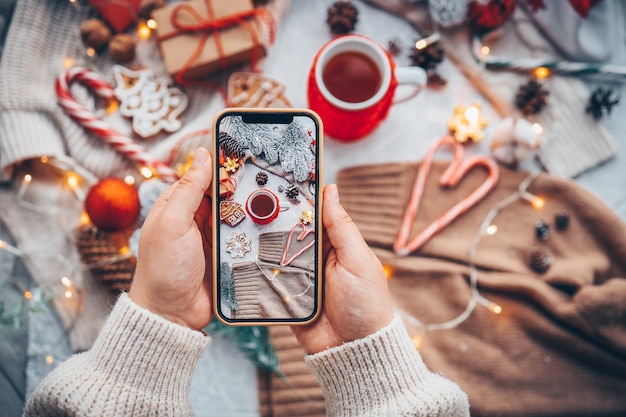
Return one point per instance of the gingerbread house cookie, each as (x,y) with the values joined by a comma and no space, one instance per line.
(231,213)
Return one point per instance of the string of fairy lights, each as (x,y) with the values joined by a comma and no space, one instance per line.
(65,290)
(487,228)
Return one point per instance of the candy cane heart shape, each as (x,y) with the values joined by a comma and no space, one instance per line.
(457,169)
(121,143)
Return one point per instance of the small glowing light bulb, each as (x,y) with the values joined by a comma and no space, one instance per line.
(68,62)
(112,107)
(541,73)
(84,219)
(146,172)
(495,308)
(485,50)
(129,180)
(538,203)
(72,180)
(124,250)
(44,159)
(421,44)
(417,341)
(49,360)
(90,51)
(27,178)
(152,24)
(388,271)
(143,31)
(537,128)
(3,244)
(287,299)
(68,294)
(66,281)
(491,230)
(28,295)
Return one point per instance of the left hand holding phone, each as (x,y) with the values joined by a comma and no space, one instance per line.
(173,275)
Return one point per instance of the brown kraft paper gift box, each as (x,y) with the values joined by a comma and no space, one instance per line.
(192,51)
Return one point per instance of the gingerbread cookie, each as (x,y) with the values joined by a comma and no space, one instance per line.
(151,104)
(247,89)
(231,213)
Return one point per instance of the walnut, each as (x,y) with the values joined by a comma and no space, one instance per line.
(95,33)
(122,48)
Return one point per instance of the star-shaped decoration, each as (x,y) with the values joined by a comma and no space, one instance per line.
(231,164)
(238,245)
(466,124)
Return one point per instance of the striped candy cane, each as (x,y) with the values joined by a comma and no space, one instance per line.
(450,178)
(125,145)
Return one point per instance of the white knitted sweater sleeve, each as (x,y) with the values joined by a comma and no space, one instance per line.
(41,37)
(141,364)
(384,375)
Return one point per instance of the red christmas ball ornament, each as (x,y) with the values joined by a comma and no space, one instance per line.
(112,204)
(485,15)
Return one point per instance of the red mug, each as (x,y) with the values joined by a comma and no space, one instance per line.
(352,83)
(263,206)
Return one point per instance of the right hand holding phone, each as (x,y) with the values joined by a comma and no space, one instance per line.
(356,301)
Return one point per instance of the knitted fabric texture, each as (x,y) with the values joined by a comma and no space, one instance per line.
(561,334)
(141,364)
(380,375)
(280,296)
(366,379)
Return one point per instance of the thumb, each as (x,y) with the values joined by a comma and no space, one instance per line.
(342,233)
(189,190)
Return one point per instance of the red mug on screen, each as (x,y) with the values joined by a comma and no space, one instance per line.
(352,83)
(263,206)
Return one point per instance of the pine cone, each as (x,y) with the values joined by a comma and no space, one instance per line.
(394,46)
(292,192)
(429,57)
(601,100)
(104,259)
(231,148)
(561,220)
(540,259)
(435,80)
(531,97)
(342,17)
(542,230)
(261,178)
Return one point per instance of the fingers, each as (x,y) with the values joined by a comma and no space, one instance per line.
(342,233)
(188,192)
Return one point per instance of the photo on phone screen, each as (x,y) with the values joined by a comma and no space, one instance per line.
(267,237)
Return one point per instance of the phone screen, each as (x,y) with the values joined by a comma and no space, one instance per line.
(268,231)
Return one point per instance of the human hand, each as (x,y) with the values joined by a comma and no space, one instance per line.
(357,301)
(173,275)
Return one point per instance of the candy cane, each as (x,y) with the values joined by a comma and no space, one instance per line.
(89,121)
(450,178)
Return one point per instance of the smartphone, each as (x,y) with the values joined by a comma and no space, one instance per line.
(267,241)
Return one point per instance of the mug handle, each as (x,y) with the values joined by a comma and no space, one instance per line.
(284,205)
(410,75)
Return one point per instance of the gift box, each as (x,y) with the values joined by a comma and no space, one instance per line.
(200,37)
